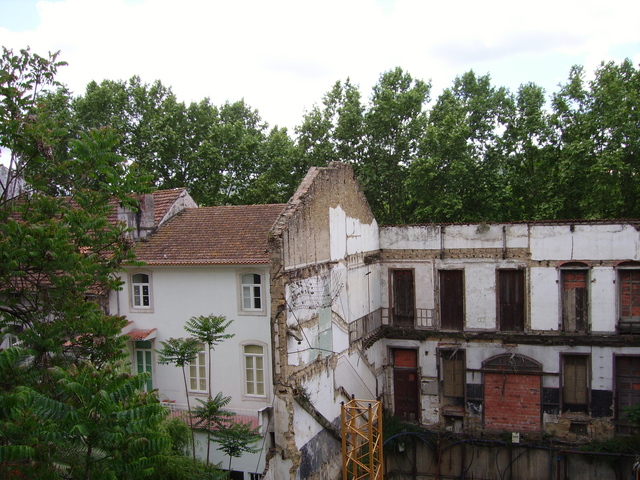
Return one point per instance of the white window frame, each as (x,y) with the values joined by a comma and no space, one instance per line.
(133,295)
(198,371)
(246,291)
(253,369)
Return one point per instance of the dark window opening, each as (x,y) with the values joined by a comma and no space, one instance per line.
(575,301)
(511,300)
(451,299)
(403,298)
(629,300)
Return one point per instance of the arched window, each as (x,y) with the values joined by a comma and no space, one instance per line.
(254,371)
(141,291)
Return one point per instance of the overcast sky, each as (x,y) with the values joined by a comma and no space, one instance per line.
(281,56)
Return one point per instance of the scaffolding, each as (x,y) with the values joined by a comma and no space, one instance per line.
(362,440)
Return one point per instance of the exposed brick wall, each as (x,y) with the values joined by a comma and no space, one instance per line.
(630,293)
(512,402)
(574,279)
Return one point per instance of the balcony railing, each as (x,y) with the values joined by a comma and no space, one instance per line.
(256,418)
(368,325)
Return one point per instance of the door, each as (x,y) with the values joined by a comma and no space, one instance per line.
(451,299)
(402,293)
(405,384)
(511,300)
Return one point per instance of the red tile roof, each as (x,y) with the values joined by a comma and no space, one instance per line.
(162,201)
(212,235)
(140,334)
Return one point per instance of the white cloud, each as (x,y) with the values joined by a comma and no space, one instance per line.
(283,55)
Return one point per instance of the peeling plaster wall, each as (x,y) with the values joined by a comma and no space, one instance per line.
(331,268)
(322,281)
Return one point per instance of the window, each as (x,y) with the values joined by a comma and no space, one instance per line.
(402,297)
(575,383)
(143,361)
(627,388)
(140,291)
(575,300)
(251,294)
(629,300)
(511,300)
(453,370)
(198,372)
(254,370)
(451,299)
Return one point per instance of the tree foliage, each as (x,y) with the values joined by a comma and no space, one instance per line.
(69,408)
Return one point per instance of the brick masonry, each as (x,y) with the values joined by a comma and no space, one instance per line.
(512,402)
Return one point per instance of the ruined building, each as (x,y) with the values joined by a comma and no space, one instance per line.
(479,329)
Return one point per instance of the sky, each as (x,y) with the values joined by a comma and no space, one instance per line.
(282,56)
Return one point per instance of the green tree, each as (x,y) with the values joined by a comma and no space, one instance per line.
(381,140)
(597,122)
(59,256)
(211,331)
(529,161)
(460,173)
(236,439)
(180,352)
(106,424)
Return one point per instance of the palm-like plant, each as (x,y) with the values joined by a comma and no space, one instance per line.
(210,330)
(180,352)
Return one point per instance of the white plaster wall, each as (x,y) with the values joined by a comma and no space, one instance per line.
(423,281)
(349,236)
(544,298)
(352,374)
(361,292)
(410,237)
(603,300)
(480,296)
(593,242)
(428,237)
(182,292)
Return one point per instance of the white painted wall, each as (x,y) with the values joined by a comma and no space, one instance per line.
(545,299)
(180,292)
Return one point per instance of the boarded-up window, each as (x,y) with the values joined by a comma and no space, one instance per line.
(511,300)
(575,387)
(575,300)
(403,297)
(627,383)
(453,369)
(451,299)
(629,291)
(627,392)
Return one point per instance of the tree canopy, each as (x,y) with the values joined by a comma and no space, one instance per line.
(475,152)
(69,406)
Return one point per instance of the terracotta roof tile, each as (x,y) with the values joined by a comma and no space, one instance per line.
(212,235)
(138,334)
(162,201)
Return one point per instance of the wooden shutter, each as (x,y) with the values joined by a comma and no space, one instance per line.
(451,299)
(575,391)
(454,377)
(511,300)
